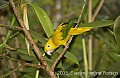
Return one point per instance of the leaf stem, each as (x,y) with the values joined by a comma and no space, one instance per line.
(85,58)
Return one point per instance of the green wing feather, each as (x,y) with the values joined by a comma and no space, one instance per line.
(67,28)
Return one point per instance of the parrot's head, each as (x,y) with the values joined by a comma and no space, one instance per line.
(50,47)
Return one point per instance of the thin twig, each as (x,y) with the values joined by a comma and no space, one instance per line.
(97,9)
(90,11)
(85,58)
(90,36)
(107,11)
(11,72)
(80,16)
(31,41)
(11,66)
(91,18)
(33,65)
(14,34)
(11,27)
(23,63)
(66,47)
(10,48)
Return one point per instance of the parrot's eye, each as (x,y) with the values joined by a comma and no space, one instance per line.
(48,46)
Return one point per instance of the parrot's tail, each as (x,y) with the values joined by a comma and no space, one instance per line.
(76,31)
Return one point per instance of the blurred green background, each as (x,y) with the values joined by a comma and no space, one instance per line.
(105,52)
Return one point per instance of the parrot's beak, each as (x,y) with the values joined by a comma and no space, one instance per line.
(49,52)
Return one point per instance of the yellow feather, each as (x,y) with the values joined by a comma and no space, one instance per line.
(77,31)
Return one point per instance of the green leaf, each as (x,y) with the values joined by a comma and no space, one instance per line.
(44,20)
(111,71)
(28,75)
(59,65)
(114,56)
(29,70)
(106,38)
(38,37)
(26,57)
(117,30)
(97,24)
(23,54)
(51,59)
(24,51)
(69,56)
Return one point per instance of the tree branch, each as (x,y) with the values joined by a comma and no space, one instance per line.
(90,40)
(21,62)
(21,66)
(11,27)
(97,9)
(31,41)
(11,71)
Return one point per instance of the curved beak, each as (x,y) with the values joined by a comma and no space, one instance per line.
(49,52)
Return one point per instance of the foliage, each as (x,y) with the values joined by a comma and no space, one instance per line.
(43,18)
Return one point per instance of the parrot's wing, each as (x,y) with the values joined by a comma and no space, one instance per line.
(76,31)
(62,32)
(56,38)
(67,28)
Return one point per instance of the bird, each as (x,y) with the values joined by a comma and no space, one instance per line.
(62,34)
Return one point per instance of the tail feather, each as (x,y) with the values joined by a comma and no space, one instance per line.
(76,31)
